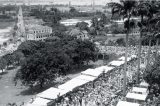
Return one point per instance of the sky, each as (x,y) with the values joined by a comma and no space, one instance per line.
(73,2)
(84,2)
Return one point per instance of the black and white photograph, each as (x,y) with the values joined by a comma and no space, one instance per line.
(79,53)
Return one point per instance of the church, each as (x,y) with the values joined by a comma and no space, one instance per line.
(28,30)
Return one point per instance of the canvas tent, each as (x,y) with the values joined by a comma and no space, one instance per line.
(39,102)
(124,103)
(116,63)
(140,90)
(135,96)
(51,93)
(73,83)
(86,77)
(123,58)
(91,72)
(104,69)
(144,84)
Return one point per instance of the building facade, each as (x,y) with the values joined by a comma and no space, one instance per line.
(79,34)
(38,32)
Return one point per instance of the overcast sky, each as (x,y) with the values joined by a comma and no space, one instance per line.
(88,2)
(73,2)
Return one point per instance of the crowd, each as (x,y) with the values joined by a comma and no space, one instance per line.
(107,89)
(121,50)
(104,91)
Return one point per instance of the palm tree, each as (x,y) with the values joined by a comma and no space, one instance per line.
(157,43)
(124,9)
(157,37)
(154,34)
(145,9)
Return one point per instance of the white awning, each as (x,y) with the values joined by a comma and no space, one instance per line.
(139,90)
(104,69)
(116,63)
(136,96)
(124,103)
(73,83)
(51,93)
(92,72)
(144,84)
(123,58)
(39,102)
(86,77)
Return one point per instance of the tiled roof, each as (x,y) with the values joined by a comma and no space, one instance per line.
(37,27)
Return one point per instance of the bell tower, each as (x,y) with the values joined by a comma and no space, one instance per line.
(20,25)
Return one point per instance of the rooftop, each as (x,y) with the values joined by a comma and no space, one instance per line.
(37,27)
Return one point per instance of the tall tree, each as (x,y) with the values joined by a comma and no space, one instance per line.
(52,17)
(145,9)
(82,25)
(124,9)
(153,29)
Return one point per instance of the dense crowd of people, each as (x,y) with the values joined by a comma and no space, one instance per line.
(104,91)
(107,89)
(121,50)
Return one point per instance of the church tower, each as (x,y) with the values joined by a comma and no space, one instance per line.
(20,24)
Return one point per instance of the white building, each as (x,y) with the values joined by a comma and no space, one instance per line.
(79,34)
(70,22)
(38,32)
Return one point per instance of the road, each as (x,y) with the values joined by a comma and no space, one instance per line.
(9,93)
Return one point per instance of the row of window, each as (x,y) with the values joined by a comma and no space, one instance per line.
(136,32)
(42,31)
(41,36)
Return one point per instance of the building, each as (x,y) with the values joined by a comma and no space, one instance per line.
(120,23)
(38,32)
(31,20)
(73,22)
(79,34)
(31,29)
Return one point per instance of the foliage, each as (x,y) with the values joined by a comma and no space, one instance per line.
(124,9)
(120,42)
(52,17)
(133,41)
(18,56)
(104,19)
(46,60)
(30,47)
(72,10)
(152,76)
(116,29)
(97,26)
(9,59)
(82,26)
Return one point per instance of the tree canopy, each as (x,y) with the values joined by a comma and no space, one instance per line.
(46,60)
(152,76)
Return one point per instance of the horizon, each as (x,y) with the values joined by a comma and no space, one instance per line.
(61,2)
